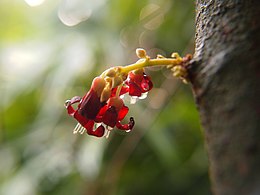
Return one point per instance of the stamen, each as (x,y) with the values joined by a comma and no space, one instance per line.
(133,99)
(107,134)
(79,129)
(82,130)
(76,129)
(107,130)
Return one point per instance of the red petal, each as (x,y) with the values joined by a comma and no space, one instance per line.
(110,117)
(134,90)
(75,99)
(126,127)
(137,78)
(122,113)
(90,105)
(101,113)
(138,84)
(89,125)
(146,84)
(123,91)
(82,120)
(70,110)
(99,132)
(69,107)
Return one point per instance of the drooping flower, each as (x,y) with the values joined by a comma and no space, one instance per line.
(91,103)
(138,83)
(92,110)
(114,112)
(84,122)
(88,108)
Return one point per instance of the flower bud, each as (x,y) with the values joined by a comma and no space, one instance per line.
(141,53)
(116,81)
(108,81)
(111,72)
(98,84)
(124,76)
(175,55)
(160,56)
(179,71)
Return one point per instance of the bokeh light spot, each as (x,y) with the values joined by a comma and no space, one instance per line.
(34,3)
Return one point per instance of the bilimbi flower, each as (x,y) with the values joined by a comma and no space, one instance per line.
(103,109)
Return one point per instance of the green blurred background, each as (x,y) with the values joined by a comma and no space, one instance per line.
(50,51)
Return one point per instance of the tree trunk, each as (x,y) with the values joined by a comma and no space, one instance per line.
(225,77)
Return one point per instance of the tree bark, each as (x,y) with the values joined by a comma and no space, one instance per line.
(225,77)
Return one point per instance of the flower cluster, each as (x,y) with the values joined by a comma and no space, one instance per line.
(102,108)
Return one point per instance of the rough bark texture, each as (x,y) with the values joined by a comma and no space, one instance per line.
(225,77)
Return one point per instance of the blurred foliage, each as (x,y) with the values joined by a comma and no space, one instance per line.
(49,52)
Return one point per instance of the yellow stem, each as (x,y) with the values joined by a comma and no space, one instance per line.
(150,62)
(119,73)
(145,62)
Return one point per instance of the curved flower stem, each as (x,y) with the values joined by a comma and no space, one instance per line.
(151,62)
(175,63)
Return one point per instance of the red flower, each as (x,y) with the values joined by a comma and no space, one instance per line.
(138,84)
(84,122)
(91,110)
(88,108)
(103,105)
(91,104)
(115,111)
